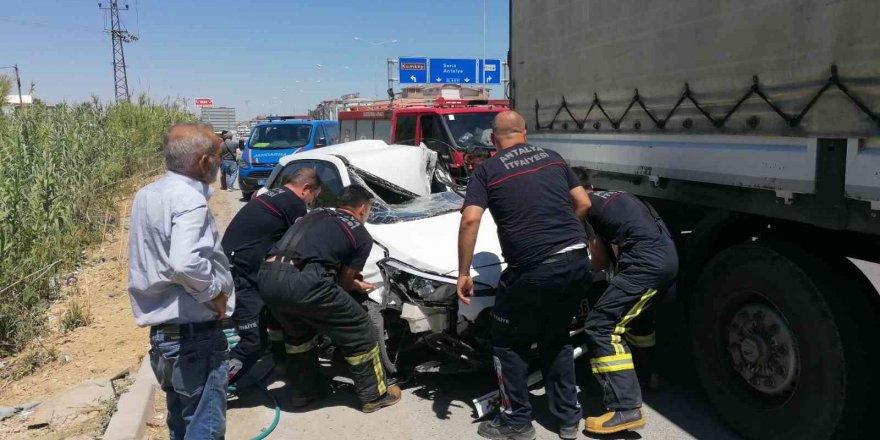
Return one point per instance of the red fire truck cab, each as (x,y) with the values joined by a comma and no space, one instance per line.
(456,129)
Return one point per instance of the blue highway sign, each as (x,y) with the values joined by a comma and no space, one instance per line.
(492,71)
(453,71)
(413,70)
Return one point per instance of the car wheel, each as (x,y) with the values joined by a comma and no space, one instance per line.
(766,345)
(375,313)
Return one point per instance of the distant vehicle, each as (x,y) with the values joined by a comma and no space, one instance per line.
(278,137)
(451,127)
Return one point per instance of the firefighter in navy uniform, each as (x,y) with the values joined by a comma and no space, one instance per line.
(307,282)
(539,207)
(250,235)
(647,263)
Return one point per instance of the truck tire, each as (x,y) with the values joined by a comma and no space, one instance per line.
(766,345)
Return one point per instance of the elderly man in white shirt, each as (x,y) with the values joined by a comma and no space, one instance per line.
(180,285)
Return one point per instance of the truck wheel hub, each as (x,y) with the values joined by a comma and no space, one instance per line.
(762,349)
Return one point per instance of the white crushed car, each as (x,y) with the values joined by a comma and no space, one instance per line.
(414,261)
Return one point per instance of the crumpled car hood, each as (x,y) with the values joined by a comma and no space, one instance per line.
(431,245)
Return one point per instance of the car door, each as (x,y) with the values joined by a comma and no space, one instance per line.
(320,136)
(331,131)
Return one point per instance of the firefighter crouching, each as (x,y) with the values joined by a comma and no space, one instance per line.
(305,283)
(647,264)
(250,234)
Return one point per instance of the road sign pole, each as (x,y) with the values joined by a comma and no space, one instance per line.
(391,63)
(505,79)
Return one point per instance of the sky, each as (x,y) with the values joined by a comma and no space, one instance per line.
(257,56)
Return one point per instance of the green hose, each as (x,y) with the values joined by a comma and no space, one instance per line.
(232,338)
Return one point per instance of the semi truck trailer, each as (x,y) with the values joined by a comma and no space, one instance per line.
(753,127)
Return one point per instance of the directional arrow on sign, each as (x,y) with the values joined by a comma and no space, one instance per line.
(489,78)
(467,80)
(413,78)
(439,79)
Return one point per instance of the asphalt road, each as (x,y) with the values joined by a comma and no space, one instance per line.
(438,407)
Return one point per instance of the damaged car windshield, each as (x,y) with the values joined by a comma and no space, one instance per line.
(395,204)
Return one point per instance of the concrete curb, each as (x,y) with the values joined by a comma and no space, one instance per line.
(135,407)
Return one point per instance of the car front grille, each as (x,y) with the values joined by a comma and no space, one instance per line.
(260,174)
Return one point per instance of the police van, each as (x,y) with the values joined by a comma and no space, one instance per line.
(276,138)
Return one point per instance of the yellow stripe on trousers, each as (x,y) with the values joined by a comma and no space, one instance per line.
(608,364)
(620,328)
(380,372)
(613,368)
(371,356)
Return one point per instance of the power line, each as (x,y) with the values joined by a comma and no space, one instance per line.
(118,36)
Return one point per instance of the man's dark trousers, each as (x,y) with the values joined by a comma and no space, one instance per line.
(250,325)
(609,325)
(536,304)
(307,300)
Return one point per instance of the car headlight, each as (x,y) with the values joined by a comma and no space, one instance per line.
(432,290)
(419,286)
(243,164)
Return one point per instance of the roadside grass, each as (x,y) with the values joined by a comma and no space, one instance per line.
(74,317)
(28,362)
(63,168)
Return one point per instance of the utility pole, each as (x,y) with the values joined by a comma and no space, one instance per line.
(17,82)
(118,35)
(483,67)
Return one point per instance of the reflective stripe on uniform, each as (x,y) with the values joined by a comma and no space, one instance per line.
(608,364)
(371,356)
(275,335)
(646,341)
(301,348)
(364,357)
(620,328)
(380,373)
(615,342)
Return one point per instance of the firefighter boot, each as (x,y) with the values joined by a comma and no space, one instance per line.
(616,421)
(304,378)
(496,429)
(391,396)
(568,432)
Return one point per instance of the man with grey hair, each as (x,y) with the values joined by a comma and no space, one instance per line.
(180,285)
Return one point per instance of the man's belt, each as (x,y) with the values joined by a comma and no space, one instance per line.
(297,263)
(190,328)
(281,259)
(574,254)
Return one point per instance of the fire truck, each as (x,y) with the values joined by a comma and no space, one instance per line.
(457,129)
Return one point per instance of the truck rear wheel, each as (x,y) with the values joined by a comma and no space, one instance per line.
(766,345)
